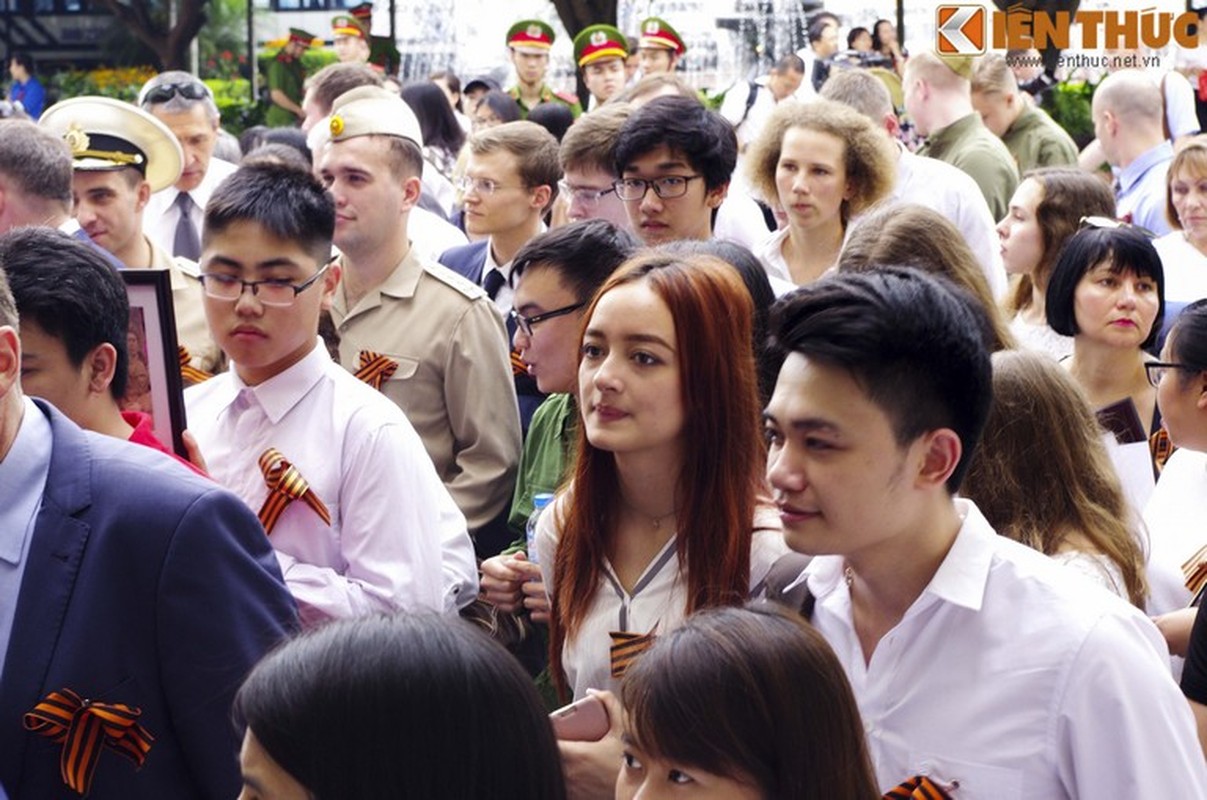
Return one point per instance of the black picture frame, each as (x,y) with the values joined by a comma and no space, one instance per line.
(154,384)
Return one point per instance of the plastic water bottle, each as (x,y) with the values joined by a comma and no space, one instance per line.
(539,501)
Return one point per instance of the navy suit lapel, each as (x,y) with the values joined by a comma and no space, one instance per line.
(53,563)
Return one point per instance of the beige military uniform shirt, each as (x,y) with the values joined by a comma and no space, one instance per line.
(192,331)
(453,378)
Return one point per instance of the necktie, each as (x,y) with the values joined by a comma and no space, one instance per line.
(375,369)
(285,484)
(187,243)
(84,727)
(493,282)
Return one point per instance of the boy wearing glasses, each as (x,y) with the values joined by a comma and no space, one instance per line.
(675,159)
(586,190)
(359,519)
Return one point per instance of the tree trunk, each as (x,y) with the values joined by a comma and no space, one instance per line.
(171,46)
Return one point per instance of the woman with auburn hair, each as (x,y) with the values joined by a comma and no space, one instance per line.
(910,235)
(1183,251)
(1041,475)
(779,720)
(821,163)
(1044,212)
(665,512)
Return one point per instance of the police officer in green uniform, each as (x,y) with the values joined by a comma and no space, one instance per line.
(285,78)
(601,51)
(383,52)
(529,41)
(659,47)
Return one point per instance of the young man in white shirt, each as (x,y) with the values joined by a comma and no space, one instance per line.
(359,519)
(976,663)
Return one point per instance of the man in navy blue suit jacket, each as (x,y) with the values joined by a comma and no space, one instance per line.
(125,581)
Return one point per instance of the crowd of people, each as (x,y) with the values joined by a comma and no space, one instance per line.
(773,455)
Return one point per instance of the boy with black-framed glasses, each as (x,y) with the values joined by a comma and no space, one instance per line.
(360,520)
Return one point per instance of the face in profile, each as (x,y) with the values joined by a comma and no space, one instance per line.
(838,475)
(263,777)
(549,348)
(628,376)
(1181,396)
(1022,239)
(47,372)
(811,178)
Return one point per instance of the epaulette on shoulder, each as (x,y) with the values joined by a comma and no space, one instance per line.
(188,266)
(454,280)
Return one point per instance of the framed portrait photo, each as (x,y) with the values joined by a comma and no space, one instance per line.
(153,384)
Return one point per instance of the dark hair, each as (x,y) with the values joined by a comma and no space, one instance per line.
(289,137)
(1127,249)
(817,28)
(252,137)
(703,137)
(853,35)
(553,117)
(454,85)
(437,122)
(1188,339)
(754,276)
(877,42)
(789,63)
(584,254)
(502,104)
(752,694)
(276,153)
(24,59)
(36,161)
(71,292)
(413,705)
(287,202)
(914,342)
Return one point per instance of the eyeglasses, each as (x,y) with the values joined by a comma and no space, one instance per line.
(525,323)
(666,187)
(272,292)
(1113,224)
(587,197)
(1156,370)
(484,187)
(165,92)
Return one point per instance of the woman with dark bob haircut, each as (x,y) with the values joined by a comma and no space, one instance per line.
(407,706)
(750,703)
(1107,292)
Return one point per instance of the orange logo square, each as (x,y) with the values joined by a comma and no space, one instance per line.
(961,30)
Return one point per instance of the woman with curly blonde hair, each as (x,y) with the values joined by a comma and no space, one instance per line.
(819,164)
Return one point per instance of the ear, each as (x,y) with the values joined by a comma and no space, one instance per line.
(892,124)
(101,365)
(539,198)
(717,195)
(144,194)
(411,187)
(940,453)
(10,360)
(330,284)
(1201,383)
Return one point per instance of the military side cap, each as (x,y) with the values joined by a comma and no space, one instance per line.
(960,65)
(372,111)
(597,42)
(657,32)
(363,12)
(530,36)
(300,36)
(347,25)
(107,134)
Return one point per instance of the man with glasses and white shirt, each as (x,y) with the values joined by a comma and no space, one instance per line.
(172,217)
(588,160)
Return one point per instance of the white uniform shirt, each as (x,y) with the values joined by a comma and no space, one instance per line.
(1014,681)
(396,538)
(1040,338)
(1174,517)
(1185,268)
(953,193)
(656,605)
(162,215)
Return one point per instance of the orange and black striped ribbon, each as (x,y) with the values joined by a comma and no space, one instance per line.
(375,369)
(518,367)
(1160,447)
(627,648)
(918,787)
(285,484)
(84,727)
(188,372)
(1194,571)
